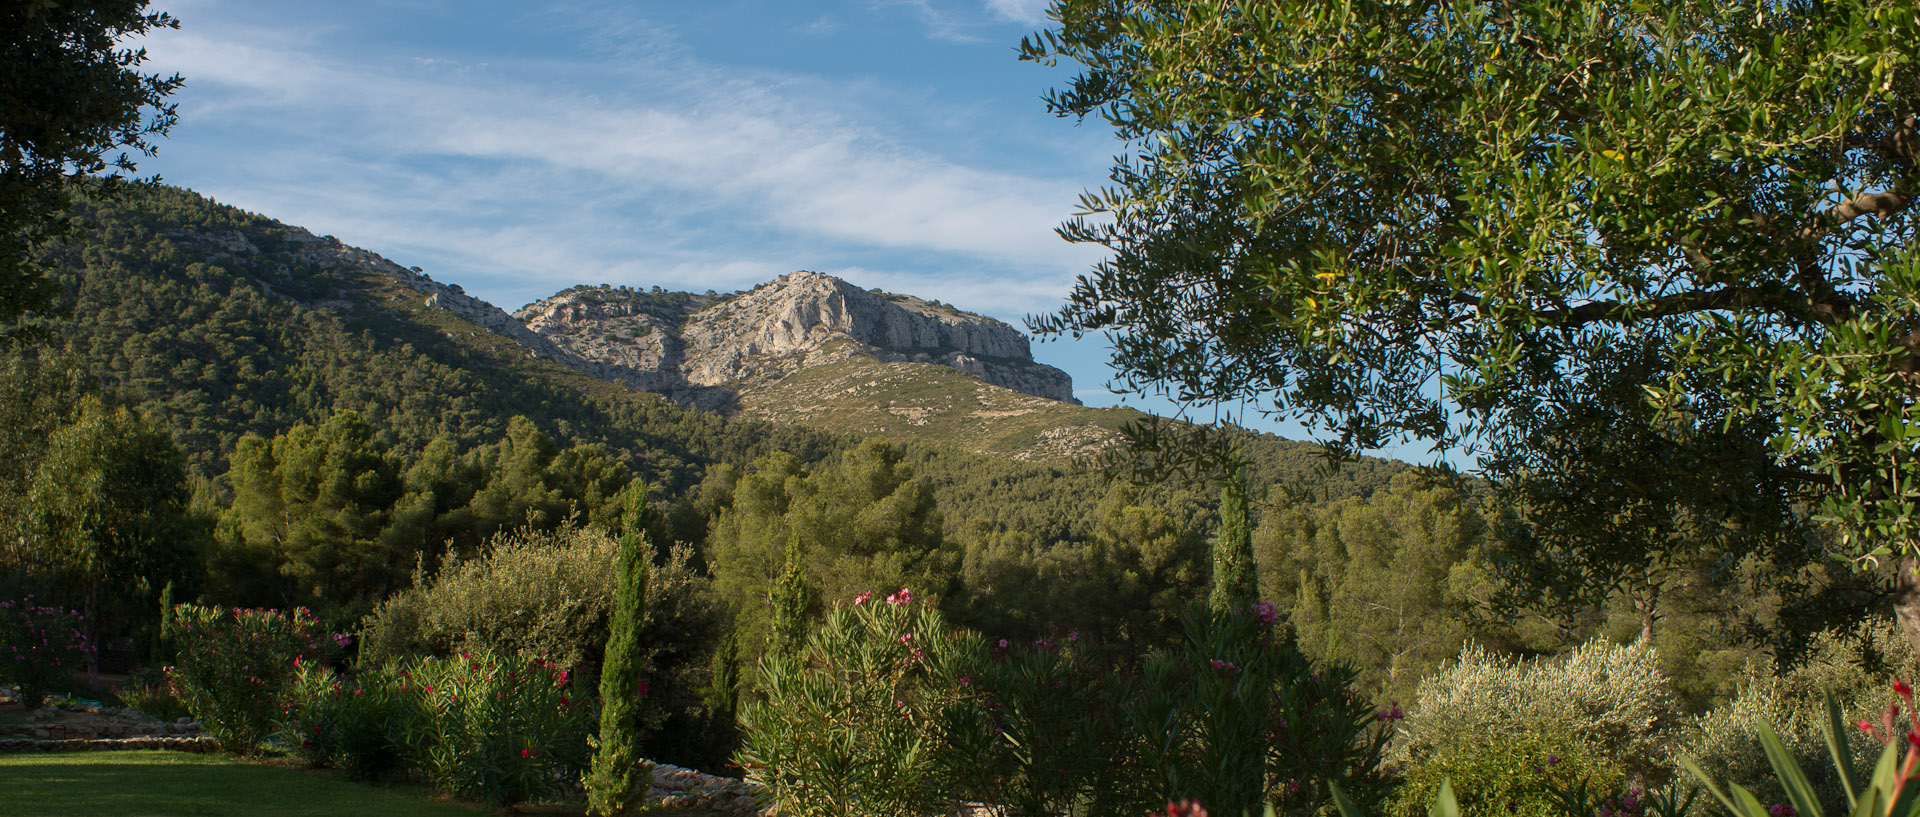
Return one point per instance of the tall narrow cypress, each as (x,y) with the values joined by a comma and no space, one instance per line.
(618,779)
(1235,584)
(791,597)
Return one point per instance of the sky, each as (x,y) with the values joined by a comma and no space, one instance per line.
(520,148)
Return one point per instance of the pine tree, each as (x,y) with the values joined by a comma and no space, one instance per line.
(1235,584)
(617,781)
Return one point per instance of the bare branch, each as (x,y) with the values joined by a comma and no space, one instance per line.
(1880,203)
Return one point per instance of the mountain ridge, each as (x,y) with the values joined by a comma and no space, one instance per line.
(708,350)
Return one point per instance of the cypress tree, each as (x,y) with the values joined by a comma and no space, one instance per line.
(723,695)
(618,780)
(1235,585)
(791,597)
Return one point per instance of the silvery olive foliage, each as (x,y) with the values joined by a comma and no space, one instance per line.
(1855,667)
(1611,699)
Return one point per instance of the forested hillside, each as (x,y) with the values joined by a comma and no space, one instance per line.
(304,428)
(335,428)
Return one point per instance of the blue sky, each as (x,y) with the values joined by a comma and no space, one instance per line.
(520,148)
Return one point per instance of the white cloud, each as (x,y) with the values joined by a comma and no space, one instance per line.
(1023,11)
(775,154)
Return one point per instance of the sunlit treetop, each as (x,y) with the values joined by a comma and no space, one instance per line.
(1426,219)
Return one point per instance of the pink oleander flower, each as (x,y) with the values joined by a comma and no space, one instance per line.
(862,597)
(905,596)
(1266,611)
(1003,643)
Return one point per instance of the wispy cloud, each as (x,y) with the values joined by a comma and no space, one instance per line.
(1021,11)
(407,146)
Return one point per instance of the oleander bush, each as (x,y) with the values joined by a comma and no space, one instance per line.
(856,722)
(498,729)
(1039,734)
(364,724)
(41,646)
(234,668)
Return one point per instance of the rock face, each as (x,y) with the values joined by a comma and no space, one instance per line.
(702,349)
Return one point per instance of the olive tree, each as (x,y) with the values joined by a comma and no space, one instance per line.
(71,95)
(1439,219)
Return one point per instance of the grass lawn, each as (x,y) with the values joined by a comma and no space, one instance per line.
(177,784)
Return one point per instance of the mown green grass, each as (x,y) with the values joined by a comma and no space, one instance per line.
(176,784)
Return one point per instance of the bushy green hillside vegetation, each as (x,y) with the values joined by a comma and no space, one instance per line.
(342,440)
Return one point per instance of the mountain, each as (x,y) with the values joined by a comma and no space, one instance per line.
(704,349)
(218,322)
(812,349)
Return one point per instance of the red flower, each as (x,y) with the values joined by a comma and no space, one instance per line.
(1185,808)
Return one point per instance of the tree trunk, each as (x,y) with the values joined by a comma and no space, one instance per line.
(1906,599)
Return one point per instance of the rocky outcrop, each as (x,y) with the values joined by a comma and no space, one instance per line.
(691,345)
(700,350)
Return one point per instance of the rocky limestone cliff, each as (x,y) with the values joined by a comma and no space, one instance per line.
(700,350)
(690,345)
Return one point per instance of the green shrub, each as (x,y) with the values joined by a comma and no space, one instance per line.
(363,724)
(531,593)
(1610,701)
(853,722)
(1855,666)
(1516,774)
(498,730)
(549,595)
(41,646)
(1039,735)
(885,711)
(1238,719)
(234,667)
(149,691)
